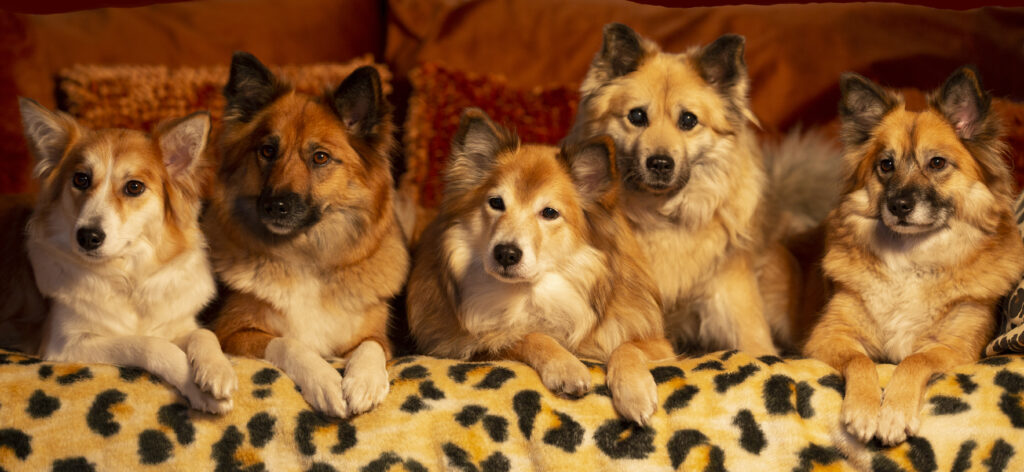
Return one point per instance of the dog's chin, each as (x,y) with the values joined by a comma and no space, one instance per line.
(656,186)
(280,229)
(907,228)
(505,275)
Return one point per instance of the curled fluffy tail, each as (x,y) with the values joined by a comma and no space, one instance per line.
(804,178)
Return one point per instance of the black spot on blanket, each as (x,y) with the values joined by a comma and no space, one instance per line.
(682,442)
(261,429)
(526,404)
(751,437)
(99,418)
(723,382)
(622,438)
(41,405)
(175,416)
(946,405)
(266,376)
(154,447)
(17,441)
(680,398)
(567,436)
(665,373)
(81,374)
(73,464)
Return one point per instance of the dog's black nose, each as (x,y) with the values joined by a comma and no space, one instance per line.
(507,255)
(901,205)
(281,206)
(90,238)
(660,164)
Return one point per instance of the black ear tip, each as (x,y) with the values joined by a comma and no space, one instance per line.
(618,29)
(244,59)
(472,114)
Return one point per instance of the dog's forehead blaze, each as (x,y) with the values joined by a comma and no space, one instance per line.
(112,158)
(533,172)
(669,84)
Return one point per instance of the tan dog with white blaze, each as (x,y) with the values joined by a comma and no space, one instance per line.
(115,243)
(920,250)
(302,232)
(530,259)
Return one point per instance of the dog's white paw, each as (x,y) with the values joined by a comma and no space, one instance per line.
(569,376)
(324,393)
(203,401)
(860,417)
(634,394)
(364,388)
(216,376)
(896,421)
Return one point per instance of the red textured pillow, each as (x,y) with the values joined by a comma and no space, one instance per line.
(539,115)
(139,97)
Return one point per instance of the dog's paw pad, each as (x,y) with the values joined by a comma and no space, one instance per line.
(364,390)
(569,377)
(860,420)
(635,397)
(895,424)
(217,378)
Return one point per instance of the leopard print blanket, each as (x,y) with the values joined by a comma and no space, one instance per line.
(723,411)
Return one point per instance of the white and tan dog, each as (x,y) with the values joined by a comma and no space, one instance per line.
(115,244)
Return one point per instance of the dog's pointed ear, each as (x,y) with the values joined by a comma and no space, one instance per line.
(964,102)
(49,134)
(183,145)
(251,87)
(861,108)
(359,101)
(591,165)
(721,63)
(621,51)
(475,148)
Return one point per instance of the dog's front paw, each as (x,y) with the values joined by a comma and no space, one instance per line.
(216,377)
(634,394)
(364,388)
(203,401)
(568,376)
(860,416)
(898,419)
(324,393)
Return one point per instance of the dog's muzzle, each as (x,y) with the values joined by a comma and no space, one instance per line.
(662,174)
(283,213)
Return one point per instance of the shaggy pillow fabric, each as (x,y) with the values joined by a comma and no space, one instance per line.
(1010,335)
(539,115)
(139,97)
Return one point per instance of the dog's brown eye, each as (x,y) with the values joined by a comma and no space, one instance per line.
(497,203)
(687,121)
(637,117)
(81,180)
(320,158)
(134,188)
(886,165)
(268,151)
(549,213)
(937,163)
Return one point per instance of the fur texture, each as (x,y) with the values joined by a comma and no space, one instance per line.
(694,183)
(531,259)
(115,244)
(920,249)
(303,233)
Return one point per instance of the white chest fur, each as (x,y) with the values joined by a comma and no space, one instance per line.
(498,312)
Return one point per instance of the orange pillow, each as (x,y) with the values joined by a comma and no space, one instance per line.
(539,115)
(139,97)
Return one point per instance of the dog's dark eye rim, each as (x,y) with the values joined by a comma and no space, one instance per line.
(134,188)
(321,158)
(886,165)
(81,180)
(687,121)
(549,213)
(267,151)
(937,162)
(637,117)
(496,203)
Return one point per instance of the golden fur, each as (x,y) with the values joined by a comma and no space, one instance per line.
(694,184)
(115,245)
(302,232)
(920,249)
(577,286)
